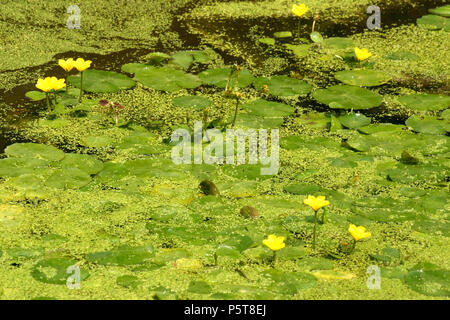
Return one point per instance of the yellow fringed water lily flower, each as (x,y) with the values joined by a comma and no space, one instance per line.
(362,54)
(80,64)
(274,243)
(50,83)
(299,9)
(358,233)
(67,65)
(316,202)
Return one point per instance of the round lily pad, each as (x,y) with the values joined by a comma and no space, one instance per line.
(54,271)
(300,50)
(97,141)
(264,108)
(283,85)
(35,95)
(122,256)
(219,77)
(128,281)
(425,102)
(282,34)
(381,127)
(428,124)
(429,279)
(34,150)
(354,120)
(434,22)
(441,11)
(200,287)
(347,97)
(316,37)
(102,81)
(302,188)
(415,173)
(14,167)
(198,102)
(68,178)
(84,162)
(136,67)
(188,57)
(167,79)
(366,78)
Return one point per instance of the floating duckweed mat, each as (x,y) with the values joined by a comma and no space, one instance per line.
(91,197)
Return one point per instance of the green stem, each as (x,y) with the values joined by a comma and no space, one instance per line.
(314,234)
(81,87)
(67,84)
(298,29)
(48,102)
(235,112)
(313,25)
(274,258)
(354,244)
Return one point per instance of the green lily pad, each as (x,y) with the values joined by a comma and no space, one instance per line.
(170,255)
(428,124)
(366,78)
(197,102)
(315,263)
(84,162)
(434,22)
(268,41)
(25,253)
(354,120)
(302,188)
(97,141)
(432,226)
(425,102)
(443,11)
(156,58)
(34,150)
(347,97)
(200,287)
(102,81)
(167,79)
(381,127)
(257,122)
(264,108)
(402,55)
(35,95)
(319,120)
(68,178)
(316,37)
(429,279)
(219,78)
(282,34)
(300,50)
(186,58)
(283,85)
(409,174)
(128,281)
(136,67)
(343,163)
(14,167)
(122,256)
(54,271)
(339,43)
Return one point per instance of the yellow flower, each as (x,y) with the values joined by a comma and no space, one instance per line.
(299,9)
(316,203)
(362,54)
(50,83)
(274,243)
(66,64)
(81,64)
(358,233)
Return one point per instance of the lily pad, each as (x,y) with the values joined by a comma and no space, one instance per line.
(97,141)
(68,178)
(429,279)
(122,256)
(316,37)
(186,58)
(35,95)
(434,22)
(347,97)
(268,41)
(283,85)
(441,11)
(136,67)
(54,271)
(128,281)
(167,79)
(34,150)
(425,102)
(428,124)
(14,167)
(339,43)
(264,108)
(219,77)
(282,34)
(84,162)
(300,50)
(200,287)
(354,120)
(197,102)
(366,78)
(102,81)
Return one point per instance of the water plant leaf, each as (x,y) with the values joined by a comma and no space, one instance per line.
(428,124)
(434,22)
(300,50)
(201,287)
(408,174)
(219,77)
(68,178)
(339,43)
(100,81)
(122,256)
(282,34)
(380,127)
(54,271)
(34,150)
(97,141)
(84,162)
(14,167)
(136,67)
(283,85)
(186,58)
(167,79)
(128,281)
(365,78)
(347,97)
(425,102)
(156,58)
(428,279)
(441,11)
(316,37)
(354,120)
(197,102)
(264,108)
(268,41)
(35,95)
